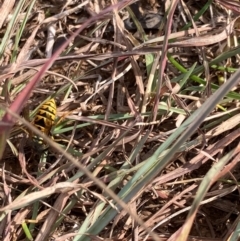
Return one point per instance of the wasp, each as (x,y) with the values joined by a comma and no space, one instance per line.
(44,121)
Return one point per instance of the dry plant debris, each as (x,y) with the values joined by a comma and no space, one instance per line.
(130,79)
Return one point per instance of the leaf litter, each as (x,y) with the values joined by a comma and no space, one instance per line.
(120,98)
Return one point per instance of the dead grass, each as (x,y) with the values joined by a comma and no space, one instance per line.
(114,170)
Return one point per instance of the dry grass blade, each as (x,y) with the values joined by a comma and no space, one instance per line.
(109,131)
(183,233)
(233,5)
(39,195)
(5,10)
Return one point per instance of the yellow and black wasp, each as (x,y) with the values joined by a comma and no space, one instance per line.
(32,145)
(44,121)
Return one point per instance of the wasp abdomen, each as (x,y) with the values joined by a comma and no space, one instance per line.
(44,121)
